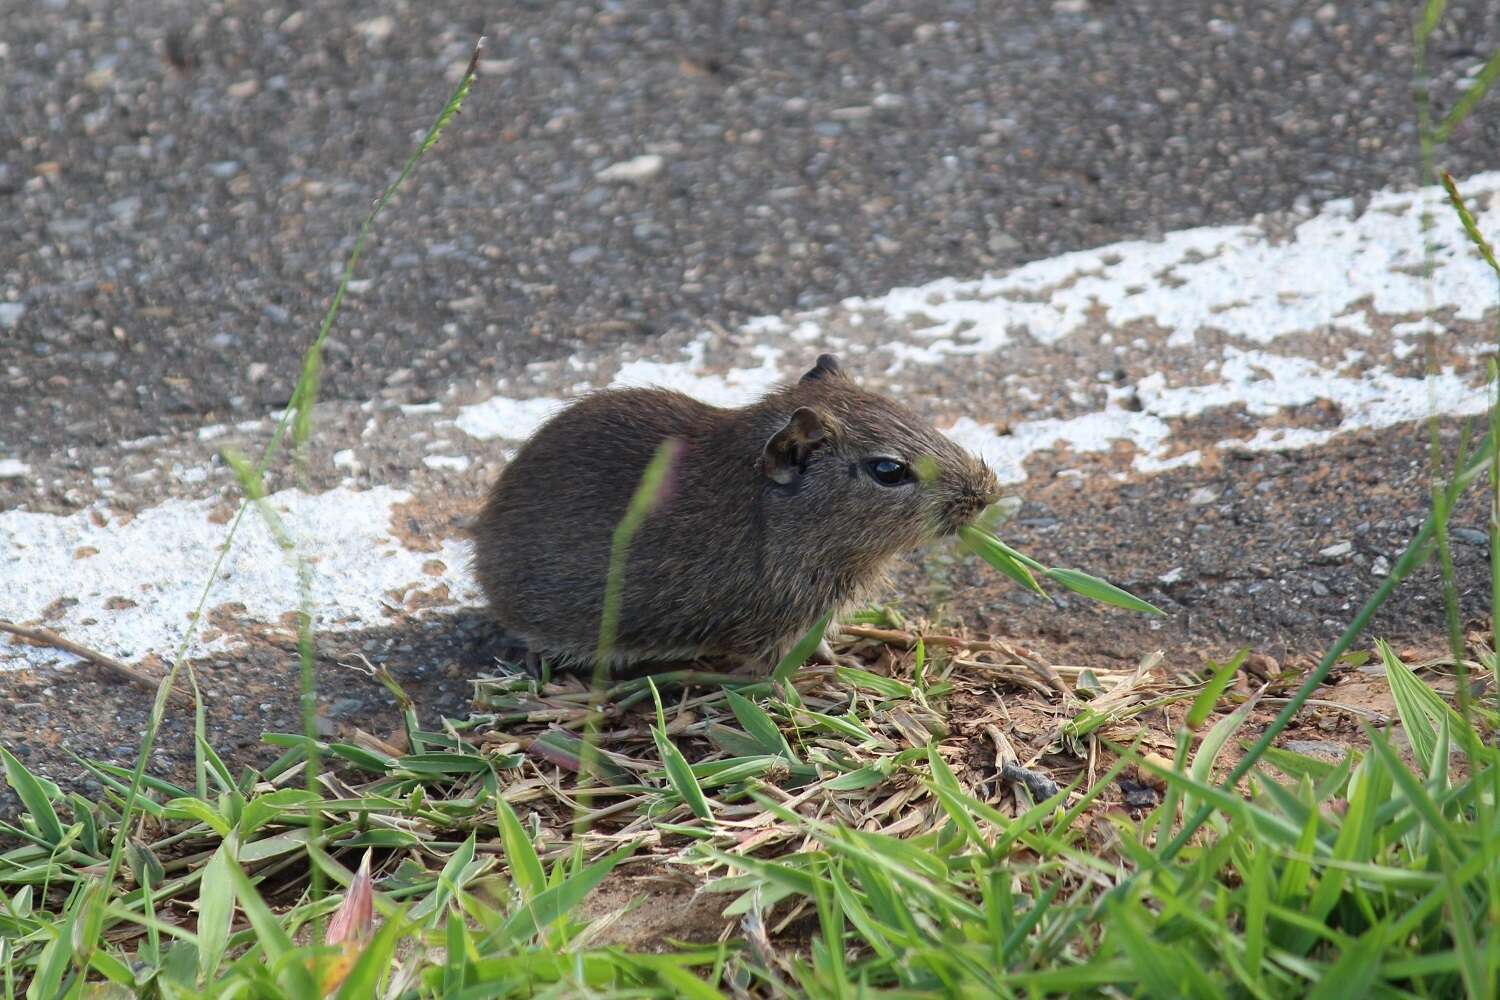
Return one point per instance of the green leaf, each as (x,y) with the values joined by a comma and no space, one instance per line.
(806,646)
(734,741)
(842,726)
(886,687)
(525,866)
(759,725)
(215,912)
(1102,591)
(269,934)
(684,783)
(863,777)
(54,960)
(267,808)
(547,907)
(439,763)
(450,880)
(1209,697)
(1214,741)
(194,809)
(999,555)
(1354,973)
(1479,85)
(34,795)
(1420,709)
(373,962)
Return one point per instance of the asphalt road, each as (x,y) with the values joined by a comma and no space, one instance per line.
(179,181)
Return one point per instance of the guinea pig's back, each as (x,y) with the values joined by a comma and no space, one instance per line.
(542,539)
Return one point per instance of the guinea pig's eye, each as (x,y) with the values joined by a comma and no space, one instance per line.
(888,471)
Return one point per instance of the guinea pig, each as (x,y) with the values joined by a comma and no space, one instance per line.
(771,516)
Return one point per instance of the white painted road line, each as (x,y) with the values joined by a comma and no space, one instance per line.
(1265,317)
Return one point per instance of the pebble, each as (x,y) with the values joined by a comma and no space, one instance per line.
(637,170)
(1002,243)
(1469,536)
(377,29)
(1203,495)
(127,210)
(584,255)
(1337,550)
(346,706)
(1380,567)
(10,314)
(1317,748)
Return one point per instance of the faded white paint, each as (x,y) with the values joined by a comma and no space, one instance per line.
(1249,285)
(137,591)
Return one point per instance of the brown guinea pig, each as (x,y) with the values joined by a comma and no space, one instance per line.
(772,516)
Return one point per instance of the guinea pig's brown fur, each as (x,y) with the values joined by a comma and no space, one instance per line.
(772,515)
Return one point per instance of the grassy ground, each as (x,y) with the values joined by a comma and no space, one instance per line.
(858,831)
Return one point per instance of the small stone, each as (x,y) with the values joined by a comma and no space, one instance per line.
(889,102)
(1469,536)
(346,706)
(1203,495)
(886,245)
(377,29)
(1380,567)
(10,314)
(126,209)
(584,255)
(850,114)
(13,468)
(243,89)
(224,169)
(637,170)
(1315,748)
(1337,550)
(1002,243)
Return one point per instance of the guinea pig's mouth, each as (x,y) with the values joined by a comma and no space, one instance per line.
(960,514)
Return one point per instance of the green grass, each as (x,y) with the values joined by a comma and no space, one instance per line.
(861,836)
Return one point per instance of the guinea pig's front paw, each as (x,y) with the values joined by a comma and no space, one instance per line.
(825,654)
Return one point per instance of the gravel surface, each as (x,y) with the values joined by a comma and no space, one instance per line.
(179,181)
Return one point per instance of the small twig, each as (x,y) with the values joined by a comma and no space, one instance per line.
(47,637)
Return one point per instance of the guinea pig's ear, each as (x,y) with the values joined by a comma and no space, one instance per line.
(786,455)
(827,366)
